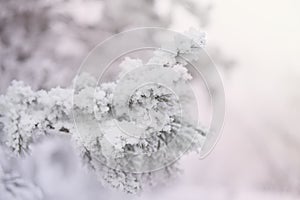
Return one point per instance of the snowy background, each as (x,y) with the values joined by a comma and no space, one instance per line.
(255,45)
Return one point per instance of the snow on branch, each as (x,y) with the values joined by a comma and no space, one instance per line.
(27,115)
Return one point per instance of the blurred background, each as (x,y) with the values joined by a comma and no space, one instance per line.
(255,45)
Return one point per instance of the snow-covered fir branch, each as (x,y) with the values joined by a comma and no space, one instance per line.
(27,115)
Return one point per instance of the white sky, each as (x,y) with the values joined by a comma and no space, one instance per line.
(264,38)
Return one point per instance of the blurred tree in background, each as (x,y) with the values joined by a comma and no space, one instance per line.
(43,42)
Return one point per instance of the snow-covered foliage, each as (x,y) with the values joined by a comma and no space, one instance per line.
(129,162)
